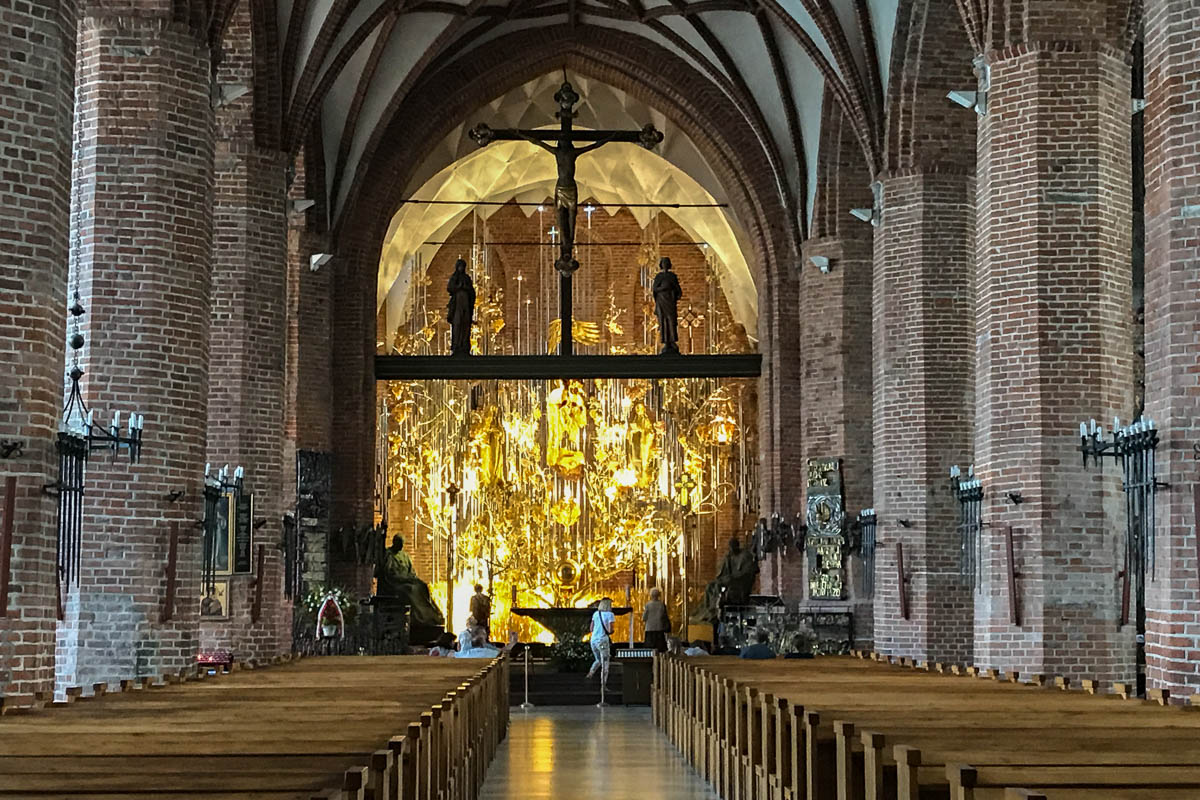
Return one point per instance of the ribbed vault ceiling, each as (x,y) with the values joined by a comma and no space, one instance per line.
(345,62)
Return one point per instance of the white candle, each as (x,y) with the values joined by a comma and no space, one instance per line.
(116,423)
(91,413)
(1083,430)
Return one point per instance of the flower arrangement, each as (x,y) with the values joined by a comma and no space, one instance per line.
(342,610)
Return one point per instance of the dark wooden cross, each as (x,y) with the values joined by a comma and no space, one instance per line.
(566,191)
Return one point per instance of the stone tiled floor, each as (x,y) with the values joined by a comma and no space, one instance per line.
(582,752)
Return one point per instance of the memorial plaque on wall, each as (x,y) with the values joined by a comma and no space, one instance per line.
(243,533)
(826,537)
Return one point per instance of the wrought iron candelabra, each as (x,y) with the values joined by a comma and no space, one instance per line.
(968,491)
(1133,446)
(79,420)
(866,542)
(777,534)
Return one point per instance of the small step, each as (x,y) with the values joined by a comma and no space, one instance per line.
(549,688)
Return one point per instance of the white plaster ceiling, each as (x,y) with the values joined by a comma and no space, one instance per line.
(777,60)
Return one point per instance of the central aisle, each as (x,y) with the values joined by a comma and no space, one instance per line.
(586,753)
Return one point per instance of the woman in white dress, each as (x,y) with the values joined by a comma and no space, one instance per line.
(603,621)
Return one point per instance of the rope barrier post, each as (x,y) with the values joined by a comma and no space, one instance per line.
(527,705)
(603,680)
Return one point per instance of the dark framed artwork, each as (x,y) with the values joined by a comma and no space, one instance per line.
(214,604)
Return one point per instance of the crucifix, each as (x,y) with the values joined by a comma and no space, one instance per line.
(566,191)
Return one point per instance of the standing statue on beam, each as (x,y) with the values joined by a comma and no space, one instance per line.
(460,311)
(566,190)
(667,292)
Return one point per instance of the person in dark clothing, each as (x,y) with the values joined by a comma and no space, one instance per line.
(760,650)
(658,624)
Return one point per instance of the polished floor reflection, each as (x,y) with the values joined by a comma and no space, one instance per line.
(581,752)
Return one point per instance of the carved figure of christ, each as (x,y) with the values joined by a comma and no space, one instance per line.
(566,190)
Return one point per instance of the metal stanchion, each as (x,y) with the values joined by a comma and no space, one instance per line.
(527,704)
(603,681)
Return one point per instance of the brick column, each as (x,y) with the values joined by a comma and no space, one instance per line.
(309,398)
(146,155)
(781,464)
(353,349)
(922,367)
(835,384)
(248,346)
(1172,31)
(37,67)
(1054,342)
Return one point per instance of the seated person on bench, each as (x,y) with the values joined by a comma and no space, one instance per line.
(479,649)
(760,649)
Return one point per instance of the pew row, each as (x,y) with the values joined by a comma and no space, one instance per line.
(350,728)
(840,728)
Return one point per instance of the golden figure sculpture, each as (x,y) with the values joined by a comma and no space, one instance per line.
(487,445)
(642,441)
(566,414)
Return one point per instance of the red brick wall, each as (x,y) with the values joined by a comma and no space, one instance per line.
(1172,31)
(923,337)
(247,380)
(146,155)
(37,65)
(1054,313)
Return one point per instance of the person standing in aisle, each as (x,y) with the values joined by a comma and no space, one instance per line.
(481,610)
(603,621)
(657,623)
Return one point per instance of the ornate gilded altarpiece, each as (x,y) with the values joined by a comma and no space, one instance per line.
(825,542)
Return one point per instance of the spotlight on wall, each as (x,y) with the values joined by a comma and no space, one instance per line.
(865,214)
(318,260)
(302,205)
(965,99)
(822,263)
(904,523)
(228,92)
(1016,498)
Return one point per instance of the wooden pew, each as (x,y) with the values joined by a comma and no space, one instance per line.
(913,725)
(340,725)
